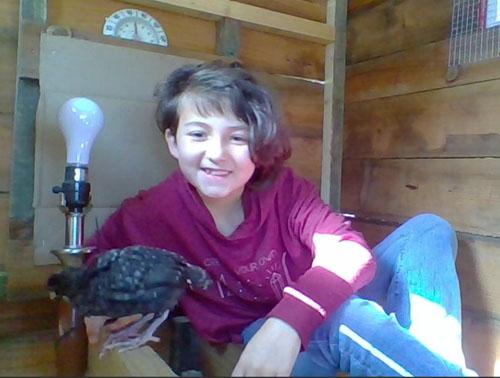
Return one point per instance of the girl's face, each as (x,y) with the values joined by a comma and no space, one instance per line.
(212,152)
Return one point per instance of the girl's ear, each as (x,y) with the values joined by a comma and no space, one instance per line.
(172,143)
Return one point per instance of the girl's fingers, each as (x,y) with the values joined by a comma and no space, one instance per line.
(122,322)
(93,324)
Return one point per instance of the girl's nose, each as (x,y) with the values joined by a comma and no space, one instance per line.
(215,149)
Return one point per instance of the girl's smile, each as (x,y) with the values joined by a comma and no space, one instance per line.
(212,152)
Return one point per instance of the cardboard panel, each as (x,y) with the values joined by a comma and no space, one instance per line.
(128,155)
(130,147)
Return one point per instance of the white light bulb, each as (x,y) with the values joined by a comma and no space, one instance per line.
(80,120)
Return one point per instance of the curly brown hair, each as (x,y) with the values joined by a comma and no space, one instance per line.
(218,87)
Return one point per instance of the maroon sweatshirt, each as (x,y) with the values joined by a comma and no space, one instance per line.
(262,269)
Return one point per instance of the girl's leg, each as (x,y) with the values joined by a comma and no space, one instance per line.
(416,280)
(418,330)
(363,340)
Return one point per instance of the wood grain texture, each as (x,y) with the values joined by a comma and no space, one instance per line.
(333,115)
(182,31)
(276,54)
(9,16)
(251,16)
(301,8)
(228,38)
(300,102)
(451,122)
(22,317)
(5,151)
(481,344)
(478,265)
(4,229)
(358,5)
(28,355)
(306,158)
(395,26)
(466,192)
(140,362)
(219,361)
(418,69)
(26,281)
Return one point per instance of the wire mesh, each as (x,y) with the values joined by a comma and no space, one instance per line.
(475,31)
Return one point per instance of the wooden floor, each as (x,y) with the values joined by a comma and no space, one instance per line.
(28,355)
(32,353)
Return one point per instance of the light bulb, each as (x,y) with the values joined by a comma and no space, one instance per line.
(80,120)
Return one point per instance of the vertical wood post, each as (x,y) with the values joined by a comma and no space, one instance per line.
(228,38)
(32,21)
(333,116)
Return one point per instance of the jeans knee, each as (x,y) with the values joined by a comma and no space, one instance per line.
(439,226)
(435,222)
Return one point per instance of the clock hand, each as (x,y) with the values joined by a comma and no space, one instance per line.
(136,33)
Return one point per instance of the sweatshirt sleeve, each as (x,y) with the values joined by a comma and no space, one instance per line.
(129,224)
(321,290)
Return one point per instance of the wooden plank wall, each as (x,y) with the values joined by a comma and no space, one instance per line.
(415,142)
(282,63)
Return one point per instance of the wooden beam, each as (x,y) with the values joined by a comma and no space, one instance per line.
(333,118)
(357,5)
(312,10)
(249,15)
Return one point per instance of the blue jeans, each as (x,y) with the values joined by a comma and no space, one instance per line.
(406,322)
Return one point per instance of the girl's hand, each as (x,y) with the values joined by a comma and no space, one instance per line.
(95,324)
(271,352)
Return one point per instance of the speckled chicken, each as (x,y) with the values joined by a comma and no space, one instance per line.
(132,280)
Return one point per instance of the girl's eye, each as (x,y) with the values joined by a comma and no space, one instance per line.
(197,134)
(240,138)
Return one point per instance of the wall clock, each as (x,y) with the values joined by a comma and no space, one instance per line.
(135,25)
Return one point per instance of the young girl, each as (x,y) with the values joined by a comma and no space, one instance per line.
(293,281)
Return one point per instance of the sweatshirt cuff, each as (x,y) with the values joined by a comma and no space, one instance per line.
(310,301)
(298,315)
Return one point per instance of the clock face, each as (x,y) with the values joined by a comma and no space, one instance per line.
(135,25)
